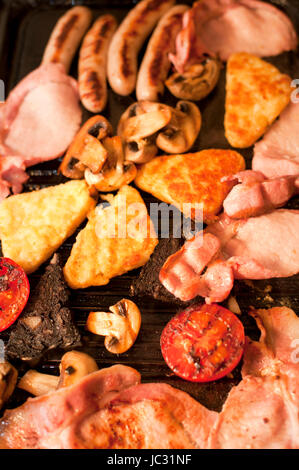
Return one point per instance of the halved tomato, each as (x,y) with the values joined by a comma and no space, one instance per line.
(203,343)
(14,292)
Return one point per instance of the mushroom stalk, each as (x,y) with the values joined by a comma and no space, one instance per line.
(38,384)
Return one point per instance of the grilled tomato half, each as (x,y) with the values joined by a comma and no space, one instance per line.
(203,343)
(14,292)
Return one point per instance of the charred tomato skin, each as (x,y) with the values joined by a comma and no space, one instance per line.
(14,292)
(203,343)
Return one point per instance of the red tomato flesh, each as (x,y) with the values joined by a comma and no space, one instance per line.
(203,343)
(14,292)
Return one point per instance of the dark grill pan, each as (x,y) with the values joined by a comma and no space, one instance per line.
(25,27)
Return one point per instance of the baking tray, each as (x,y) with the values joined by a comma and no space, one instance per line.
(25,27)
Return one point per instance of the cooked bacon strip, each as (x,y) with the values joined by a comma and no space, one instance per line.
(181,274)
(217,282)
(256,195)
(147,416)
(250,23)
(254,248)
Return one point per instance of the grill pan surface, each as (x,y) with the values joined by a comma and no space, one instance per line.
(25,27)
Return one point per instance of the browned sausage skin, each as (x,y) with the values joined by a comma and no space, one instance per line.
(93,64)
(66,36)
(127,41)
(156,64)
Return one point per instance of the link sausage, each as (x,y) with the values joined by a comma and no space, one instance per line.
(93,64)
(66,36)
(127,41)
(156,64)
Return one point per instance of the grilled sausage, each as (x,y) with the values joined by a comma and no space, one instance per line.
(156,64)
(93,63)
(127,41)
(66,36)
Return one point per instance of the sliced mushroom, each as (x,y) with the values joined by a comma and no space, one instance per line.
(138,129)
(120,326)
(145,125)
(8,380)
(38,384)
(196,82)
(115,172)
(86,149)
(180,134)
(138,109)
(93,154)
(74,366)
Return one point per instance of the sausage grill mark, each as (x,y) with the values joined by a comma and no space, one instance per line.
(103,34)
(124,52)
(62,37)
(125,67)
(157,62)
(152,6)
(105,29)
(95,86)
(97,45)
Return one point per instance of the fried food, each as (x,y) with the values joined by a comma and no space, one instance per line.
(118,238)
(256,93)
(86,150)
(191,179)
(33,225)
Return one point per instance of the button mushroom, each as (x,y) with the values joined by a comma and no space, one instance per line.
(74,366)
(145,125)
(120,326)
(38,384)
(8,380)
(115,172)
(180,134)
(141,151)
(138,127)
(86,150)
(196,82)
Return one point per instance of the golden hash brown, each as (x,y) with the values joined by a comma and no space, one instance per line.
(109,246)
(33,225)
(191,178)
(256,93)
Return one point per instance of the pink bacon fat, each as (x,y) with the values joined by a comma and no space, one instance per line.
(254,194)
